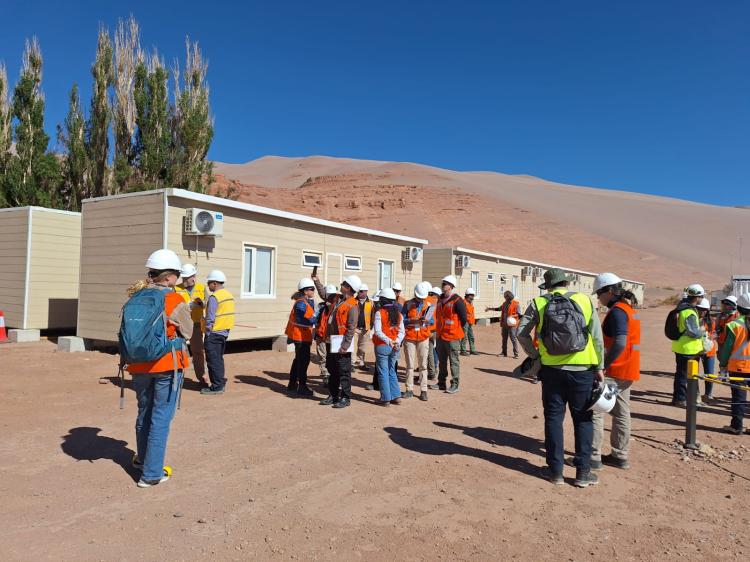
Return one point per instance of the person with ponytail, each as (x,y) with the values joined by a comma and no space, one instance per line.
(388,334)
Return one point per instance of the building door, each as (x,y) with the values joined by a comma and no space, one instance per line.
(514,286)
(385,274)
(334,269)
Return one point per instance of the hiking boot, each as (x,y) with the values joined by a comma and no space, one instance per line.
(437,386)
(732,430)
(610,460)
(342,403)
(304,390)
(679,403)
(465,353)
(555,478)
(408,394)
(595,465)
(423,396)
(135,462)
(453,389)
(585,478)
(211,391)
(328,401)
(291,388)
(148,483)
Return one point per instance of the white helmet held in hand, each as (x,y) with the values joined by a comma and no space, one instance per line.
(422,290)
(744,301)
(354,282)
(388,294)
(188,270)
(217,275)
(695,290)
(397,286)
(603,398)
(605,280)
(305,283)
(470,291)
(450,279)
(704,304)
(163,259)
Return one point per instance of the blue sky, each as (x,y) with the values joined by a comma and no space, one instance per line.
(648,96)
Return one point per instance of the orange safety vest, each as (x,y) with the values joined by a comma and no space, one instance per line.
(342,313)
(509,309)
(415,331)
(448,324)
(390,331)
(300,332)
(432,301)
(739,361)
(320,331)
(710,326)
(166,362)
(627,366)
(723,321)
(471,318)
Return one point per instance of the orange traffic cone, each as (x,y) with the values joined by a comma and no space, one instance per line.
(3,333)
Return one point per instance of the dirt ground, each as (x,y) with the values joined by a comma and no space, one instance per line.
(261,476)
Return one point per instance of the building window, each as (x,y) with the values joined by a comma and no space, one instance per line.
(257,271)
(514,286)
(385,274)
(312,259)
(490,277)
(353,263)
(475,281)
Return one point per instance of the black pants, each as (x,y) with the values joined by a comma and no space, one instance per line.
(739,404)
(298,372)
(679,388)
(339,373)
(214,345)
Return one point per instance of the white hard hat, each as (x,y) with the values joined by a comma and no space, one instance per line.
(163,259)
(470,291)
(354,282)
(704,304)
(744,300)
(450,279)
(388,294)
(364,287)
(331,290)
(376,296)
(695,290)
(217,275)
(434,291)
(730,298)
(605,280)
(305,283)
(422,289)
(603,398)
(397,286)
(511,321)
(188,270)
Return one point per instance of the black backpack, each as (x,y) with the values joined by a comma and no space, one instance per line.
(564,329)
(672,323)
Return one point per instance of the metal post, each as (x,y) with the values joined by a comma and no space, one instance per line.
(692,407)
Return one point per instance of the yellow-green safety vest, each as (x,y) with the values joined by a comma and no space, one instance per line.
(224,311)
(687,345)
(198,292)
(586,357)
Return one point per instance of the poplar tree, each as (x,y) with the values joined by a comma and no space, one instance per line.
(97,135)
(6,133)
(153,135)
(127,54)
(75,165)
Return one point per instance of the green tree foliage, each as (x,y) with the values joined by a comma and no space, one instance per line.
(6,132)
(75,167)
(97,137)
(127,55)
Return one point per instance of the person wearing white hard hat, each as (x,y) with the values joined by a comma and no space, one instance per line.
(219,322)
(417,322)
(340,327)
(471,320)
(375,384)
(364,323)
(299,330)
(194,293)
(734,360)
(330,293)
(728,313)
(683,327)
(156,381)
(432,359)
(622,367)
(398,289)
(388,334)
(710,346)
(450,317)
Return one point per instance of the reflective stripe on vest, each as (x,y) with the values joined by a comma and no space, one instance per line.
(448,326)
(224,311)
(300,332)
(686,345)
(739,360)
(586,357)
(627,366)
(416,332)
(391,332)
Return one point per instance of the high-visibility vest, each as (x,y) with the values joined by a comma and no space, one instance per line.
(198,292)
(739,360)
(224,312)
(300,332)
(416,332)
(724,320)
(341,314)
(586,357)
(367,311)
(432,301)
(471,318)
(627,366)
(509,309)
(391,331)
(166,362)
(320,330)
(710,326)
(687,345)
(448,324)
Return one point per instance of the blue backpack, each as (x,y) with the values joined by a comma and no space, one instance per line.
(143,328)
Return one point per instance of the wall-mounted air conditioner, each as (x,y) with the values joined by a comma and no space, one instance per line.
(462,261)
(412,254)
(200,222)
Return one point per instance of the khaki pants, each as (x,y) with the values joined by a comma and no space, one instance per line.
(320,347)
(362,338)
(197,352)
(416,360)
(619,437)
(448,353)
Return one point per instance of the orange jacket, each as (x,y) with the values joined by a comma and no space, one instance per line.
(300,332)
(627,366)
(342,314)
(739,360)
(432,301)
(388,329)
(471,318)
(449,326)
(725,319)
(709,325)
(415,331)
(166,362)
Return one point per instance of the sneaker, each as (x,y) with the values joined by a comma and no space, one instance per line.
(212,391)
(553,477)
(679,403)
(135,462)
(423,396)
(609,460)
(328,401)
(585,478)
(453,389)
(396,401)
(370,387)
(291,388)
(437,387)
(431,377)
(304,390)
(595,464)
(342,403)
(465,353)
(148,483)
(408,394)
(732,430)
(707,399)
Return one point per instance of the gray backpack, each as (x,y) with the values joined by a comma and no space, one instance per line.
(564,329)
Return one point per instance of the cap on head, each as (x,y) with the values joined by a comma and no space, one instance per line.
(422,289)
(305,283)
(217,275)
(553,277)
(451,280)
(605,280)
(470,291)
(164,259)
(188,270)
(388,294)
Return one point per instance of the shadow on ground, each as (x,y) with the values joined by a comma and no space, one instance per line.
(85,444)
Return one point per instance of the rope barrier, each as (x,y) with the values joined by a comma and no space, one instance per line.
(722,381)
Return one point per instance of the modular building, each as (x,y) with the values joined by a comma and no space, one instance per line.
(264,253)
(39,261)
(490,275)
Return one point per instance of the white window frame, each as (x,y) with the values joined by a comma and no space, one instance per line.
(306,253)
(490,277)
(347,257)
(274,258)
(380,275)
(471,281)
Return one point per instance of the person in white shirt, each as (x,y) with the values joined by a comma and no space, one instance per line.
(388,334)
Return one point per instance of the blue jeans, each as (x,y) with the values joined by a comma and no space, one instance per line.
(157,400)
(385,362)
(560,387)
(708,369)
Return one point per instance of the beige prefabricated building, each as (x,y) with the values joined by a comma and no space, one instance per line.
(264,253)
(490,275)
(39,262)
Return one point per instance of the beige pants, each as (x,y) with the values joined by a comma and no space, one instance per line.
(416,360)
(196,351)
(619,437)
(320,347)
(362,339)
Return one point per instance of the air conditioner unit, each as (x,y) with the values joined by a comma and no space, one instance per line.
(538,272)
(527,270)
(200,222)
(412,254)
(462,262)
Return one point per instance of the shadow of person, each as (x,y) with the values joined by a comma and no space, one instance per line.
(272,384)
(429,446)
(499,437)
(669,421)
(508,374)
(116,381)
(85,444)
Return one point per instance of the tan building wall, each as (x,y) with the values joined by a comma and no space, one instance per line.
(14,237)
(245,227)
